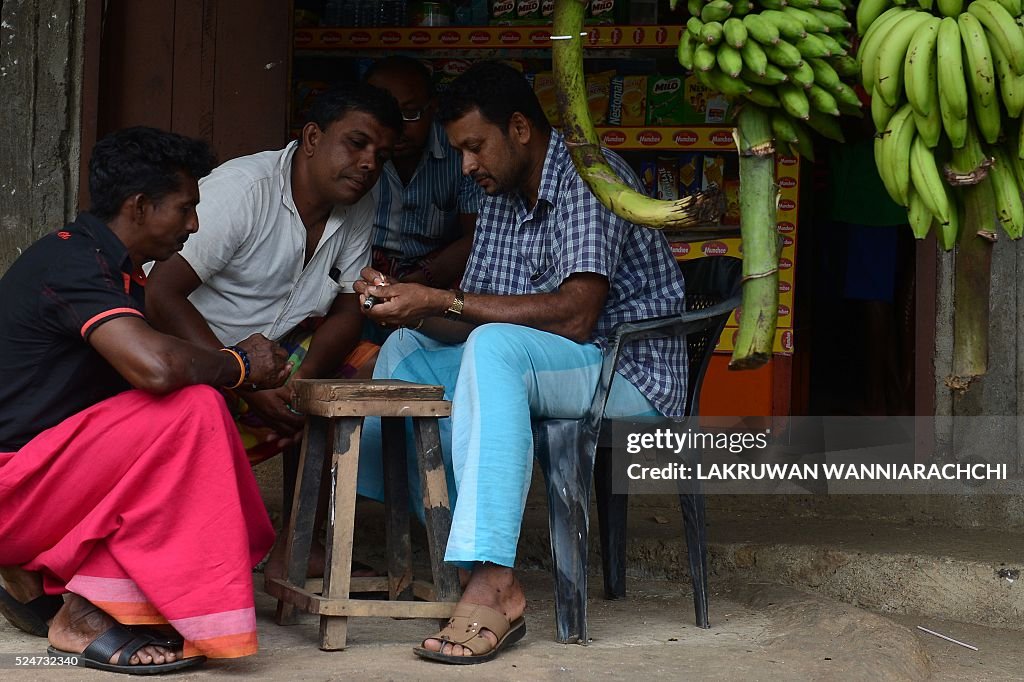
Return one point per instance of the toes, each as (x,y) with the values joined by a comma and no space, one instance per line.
(490,637)
(446,648)
(150,655)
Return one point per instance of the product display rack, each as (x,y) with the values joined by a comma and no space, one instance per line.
(719,139)
(480,37)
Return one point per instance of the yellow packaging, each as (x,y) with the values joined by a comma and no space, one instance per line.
(731,188)
(544,88)
(714,171)
(628,105)
(691,169)
(598,93)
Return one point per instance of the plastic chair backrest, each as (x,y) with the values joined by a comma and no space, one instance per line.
(709,281)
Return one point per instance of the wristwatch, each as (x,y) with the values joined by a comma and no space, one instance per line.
(454,311)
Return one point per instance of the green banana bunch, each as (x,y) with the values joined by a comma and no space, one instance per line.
(787,64)
(945,76)
(788,56)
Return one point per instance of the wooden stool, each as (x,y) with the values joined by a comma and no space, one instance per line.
(338,407)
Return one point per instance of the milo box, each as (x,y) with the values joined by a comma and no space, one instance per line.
(607,12)
(503,11)
(527,11)
(665,100)
(547,11)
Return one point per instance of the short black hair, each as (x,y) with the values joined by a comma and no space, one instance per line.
(498,91)
(333,104)
(143,160)
(401,63)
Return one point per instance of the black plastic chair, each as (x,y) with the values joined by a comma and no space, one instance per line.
(712,292)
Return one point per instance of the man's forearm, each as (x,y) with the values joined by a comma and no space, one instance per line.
(446,331)
(178,317)
(333,340)
(448,263)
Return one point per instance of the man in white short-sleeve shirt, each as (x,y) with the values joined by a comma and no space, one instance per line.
(283,234)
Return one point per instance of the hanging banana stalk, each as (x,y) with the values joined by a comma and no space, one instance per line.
(969,170)
(760,269)
(758,206)
(584,147)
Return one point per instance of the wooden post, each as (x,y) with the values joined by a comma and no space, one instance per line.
(396,503)
(301,524)
(342,510)
(436,507)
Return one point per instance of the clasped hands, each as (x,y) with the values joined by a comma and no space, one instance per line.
(398,303)
(267,392)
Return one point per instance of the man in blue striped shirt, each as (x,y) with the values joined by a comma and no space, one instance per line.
(550,273)
(426,208)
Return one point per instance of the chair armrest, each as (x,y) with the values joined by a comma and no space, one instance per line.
(683,324)
(641,330)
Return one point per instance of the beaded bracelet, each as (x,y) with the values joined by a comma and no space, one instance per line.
(243,364)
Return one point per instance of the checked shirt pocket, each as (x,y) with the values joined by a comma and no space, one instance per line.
(545,279)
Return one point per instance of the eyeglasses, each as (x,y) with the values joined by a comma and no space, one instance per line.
(411,115)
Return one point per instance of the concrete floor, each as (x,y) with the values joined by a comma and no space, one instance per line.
(798,593)
(759,632)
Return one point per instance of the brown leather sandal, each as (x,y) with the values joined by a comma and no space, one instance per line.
(464,628)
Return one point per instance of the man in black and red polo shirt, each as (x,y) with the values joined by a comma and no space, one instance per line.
(122,477)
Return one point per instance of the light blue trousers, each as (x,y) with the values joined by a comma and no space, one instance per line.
(499,380)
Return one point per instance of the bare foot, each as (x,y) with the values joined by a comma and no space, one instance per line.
(492,586)
(80,622)
(23,585)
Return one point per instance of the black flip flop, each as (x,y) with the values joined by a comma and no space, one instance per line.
(119,638)
(30,617)
(167,640)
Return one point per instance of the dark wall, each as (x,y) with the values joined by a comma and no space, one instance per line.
(40,87)
(216,69)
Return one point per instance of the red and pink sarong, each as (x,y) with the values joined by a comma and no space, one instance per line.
(146,506)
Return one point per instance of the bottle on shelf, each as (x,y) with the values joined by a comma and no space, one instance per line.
(346,13)
(643,12)
(431,14)
(391,13)
(332,13)
(471,13)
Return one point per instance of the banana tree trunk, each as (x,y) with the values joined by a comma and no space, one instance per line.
(584,146)
(758,206)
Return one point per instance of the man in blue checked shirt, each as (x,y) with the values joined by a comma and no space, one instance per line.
(551,272)
(426,208)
